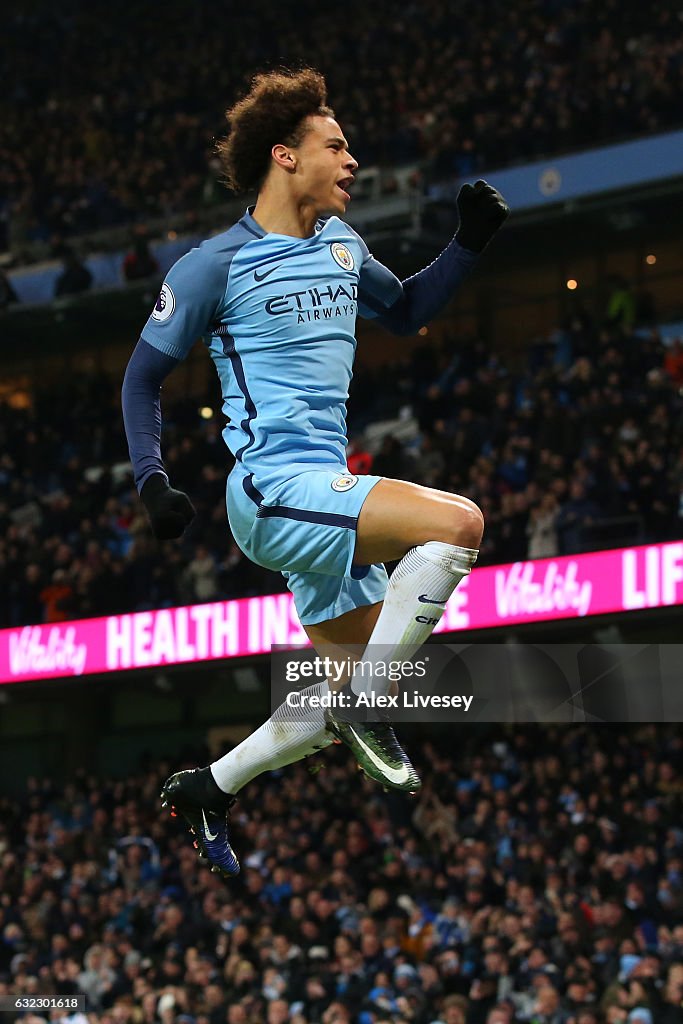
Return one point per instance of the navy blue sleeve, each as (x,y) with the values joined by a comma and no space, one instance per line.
(405,306)
(186,305)
(145,373)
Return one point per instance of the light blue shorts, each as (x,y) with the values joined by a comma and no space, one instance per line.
(304,526)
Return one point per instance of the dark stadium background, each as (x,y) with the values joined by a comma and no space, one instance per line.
(105,137)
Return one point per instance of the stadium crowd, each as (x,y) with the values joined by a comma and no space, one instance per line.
(105,121)
(537,878)
(582,450)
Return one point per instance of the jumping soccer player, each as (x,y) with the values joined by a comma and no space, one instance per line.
(275,300)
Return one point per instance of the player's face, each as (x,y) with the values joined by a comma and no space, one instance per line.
(325,168)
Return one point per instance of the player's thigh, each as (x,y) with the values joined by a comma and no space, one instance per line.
(396,515)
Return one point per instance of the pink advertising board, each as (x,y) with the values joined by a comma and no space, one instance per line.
(602,582)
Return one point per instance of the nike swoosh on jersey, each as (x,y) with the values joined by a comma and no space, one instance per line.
(396,775)
(207,833)
(429,600)
(261,277)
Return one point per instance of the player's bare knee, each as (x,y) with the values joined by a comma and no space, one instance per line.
(470,527)
(467,524)
(459,522)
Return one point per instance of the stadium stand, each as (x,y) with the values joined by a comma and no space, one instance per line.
(579,450)
(537,879)
(93,135)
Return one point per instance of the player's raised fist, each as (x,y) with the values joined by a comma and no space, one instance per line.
(482,210)
(169,511)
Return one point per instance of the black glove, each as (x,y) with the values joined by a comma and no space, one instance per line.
(482,210)
(169,511)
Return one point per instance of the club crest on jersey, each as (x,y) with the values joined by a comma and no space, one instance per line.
(342,256)
(344,483)
(165,304)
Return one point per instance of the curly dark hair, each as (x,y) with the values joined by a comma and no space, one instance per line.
(272,112)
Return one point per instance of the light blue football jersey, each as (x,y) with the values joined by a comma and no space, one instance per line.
(278,315)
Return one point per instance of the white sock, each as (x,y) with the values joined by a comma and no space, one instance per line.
(289,734)
(418,590)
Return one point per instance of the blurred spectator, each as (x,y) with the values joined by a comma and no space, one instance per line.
(75,276)
(202,574)
(431,463)
(390,460)
(547,1008)
(673,362)
(358,458)
(574,514)
(542,528)
(621,304)
(56,598)
(139,262)
(514,515)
